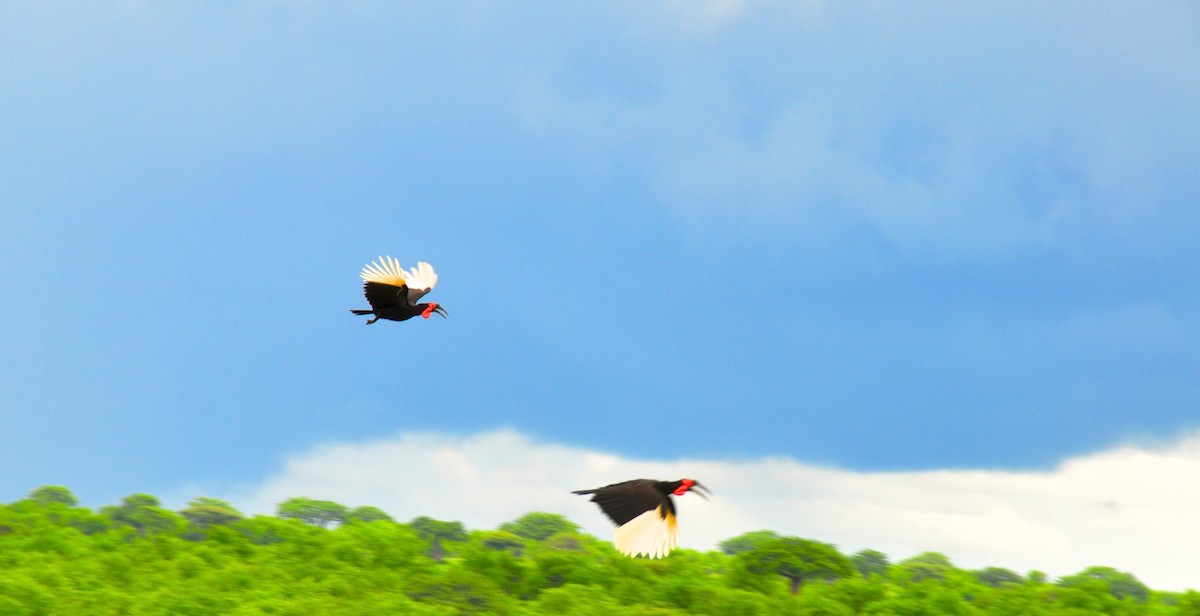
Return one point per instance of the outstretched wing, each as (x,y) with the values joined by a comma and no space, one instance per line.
(624,501)
(421,280)
(384,271)
(385,284)
(387,271)
(644,515)
(653,534)
(381,295)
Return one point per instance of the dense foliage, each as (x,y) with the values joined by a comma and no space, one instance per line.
(320,557)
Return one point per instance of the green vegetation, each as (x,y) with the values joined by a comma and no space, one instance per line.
(320,557)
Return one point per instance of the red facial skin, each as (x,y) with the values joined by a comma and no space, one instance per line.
(686,485)
(428,311)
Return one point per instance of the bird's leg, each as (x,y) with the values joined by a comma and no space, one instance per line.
(372,320)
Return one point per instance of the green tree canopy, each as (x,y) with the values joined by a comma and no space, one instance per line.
(367,513)
(58,559)
(53,494)
(870,562)
(430,529)
(140,500)
(539,525)
(746,541)
(208,515)
(208,501)
(204,512)
(925,566)
(998,576)
(798,560)
(1119,583)
(320,513)
(143,513)
(502,540)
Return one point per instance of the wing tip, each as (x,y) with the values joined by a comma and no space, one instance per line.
(384,270)
(651,534)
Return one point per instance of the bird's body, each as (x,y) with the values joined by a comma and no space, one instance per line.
(644,513)
(393,292)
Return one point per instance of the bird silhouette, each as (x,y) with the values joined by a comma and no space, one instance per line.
(644,513)
(393,293)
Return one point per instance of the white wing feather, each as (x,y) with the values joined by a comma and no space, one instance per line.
(649,534)
(385,271)
(421,277)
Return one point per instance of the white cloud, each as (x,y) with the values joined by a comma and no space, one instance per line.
(1132,507)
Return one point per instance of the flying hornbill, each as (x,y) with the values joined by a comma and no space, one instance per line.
(644,513)
(393,293)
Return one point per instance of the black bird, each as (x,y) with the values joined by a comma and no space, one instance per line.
(644,513)
(393,293)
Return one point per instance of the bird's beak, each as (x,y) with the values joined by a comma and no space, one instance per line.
(441,311)
(696,487)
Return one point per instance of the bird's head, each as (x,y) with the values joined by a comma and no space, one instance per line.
(691,485)
(431,308)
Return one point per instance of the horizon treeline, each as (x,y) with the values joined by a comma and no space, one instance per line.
(322,557)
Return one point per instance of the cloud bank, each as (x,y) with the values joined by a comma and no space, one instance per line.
(1132,507)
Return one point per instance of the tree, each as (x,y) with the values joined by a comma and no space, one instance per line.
(870,562)
(142,512)
(578,600)
(140,500)
(798,560)
(53,494)
(539,525)
(1119,583)
(205,512)
(429,529)
(857,593)
(367,513)
(925,566)
(266,564)
(1189,603)
(208,501)
(496,554)
(320,513)
(746,541)
(502,540)
(998,576)
(461,590)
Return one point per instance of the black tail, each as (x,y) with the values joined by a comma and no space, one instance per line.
(361,312)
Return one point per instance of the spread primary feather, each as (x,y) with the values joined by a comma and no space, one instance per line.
(652,533)
(386,270)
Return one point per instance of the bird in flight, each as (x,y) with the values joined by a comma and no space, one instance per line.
(393,292)
(644,513)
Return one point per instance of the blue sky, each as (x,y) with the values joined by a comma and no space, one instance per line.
(875,237)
